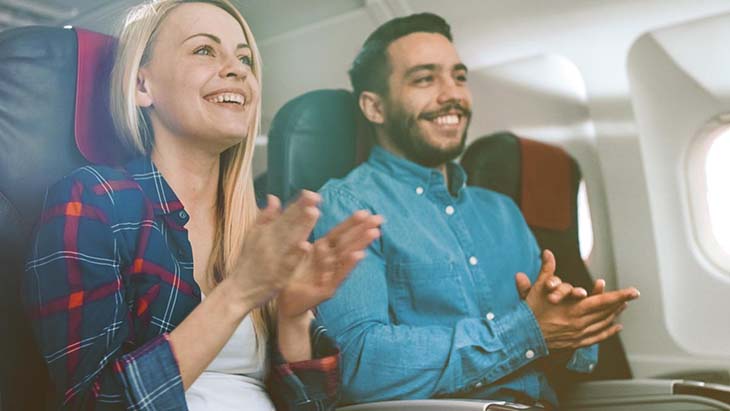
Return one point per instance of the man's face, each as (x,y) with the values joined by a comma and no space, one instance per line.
(428,106)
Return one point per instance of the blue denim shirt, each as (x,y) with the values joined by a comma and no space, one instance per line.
(432,310)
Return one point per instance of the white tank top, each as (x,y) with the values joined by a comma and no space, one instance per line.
(234,381)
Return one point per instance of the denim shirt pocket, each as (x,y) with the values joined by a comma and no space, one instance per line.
(427,293)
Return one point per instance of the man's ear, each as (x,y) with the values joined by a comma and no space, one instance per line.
(371,105)
(143,95)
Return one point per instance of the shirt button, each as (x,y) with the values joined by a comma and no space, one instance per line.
(478,385)
(182,214)
(591,366)
(473,260)
(529,354)
(419,190)
(449,210)
(490,317)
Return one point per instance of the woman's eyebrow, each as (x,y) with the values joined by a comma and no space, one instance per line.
(215,39)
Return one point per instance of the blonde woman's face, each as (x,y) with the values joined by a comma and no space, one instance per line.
(199,83)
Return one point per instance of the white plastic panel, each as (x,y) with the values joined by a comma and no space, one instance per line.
(544,98)
(679,82)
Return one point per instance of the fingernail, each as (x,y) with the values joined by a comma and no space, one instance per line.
(636,293)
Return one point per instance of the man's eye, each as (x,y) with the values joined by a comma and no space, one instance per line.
(246,60)
(204,51)
(423,80)
(461,78)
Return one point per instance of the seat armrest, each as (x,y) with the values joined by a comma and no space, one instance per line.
(647,394)
(440,405)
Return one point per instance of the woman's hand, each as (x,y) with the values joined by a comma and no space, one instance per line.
(323,269)
(273,249)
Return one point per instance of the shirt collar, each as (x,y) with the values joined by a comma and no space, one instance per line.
(143,171)
(412,173)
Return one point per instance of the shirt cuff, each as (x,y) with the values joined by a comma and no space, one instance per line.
(584,359)
(523,339)
(151,376)
(309,382)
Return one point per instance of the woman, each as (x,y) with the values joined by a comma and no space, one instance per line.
(153,287)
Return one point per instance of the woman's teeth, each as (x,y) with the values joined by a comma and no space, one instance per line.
(227,98)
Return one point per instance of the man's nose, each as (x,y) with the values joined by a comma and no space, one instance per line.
(452,91)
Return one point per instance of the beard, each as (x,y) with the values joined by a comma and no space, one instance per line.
(404,132)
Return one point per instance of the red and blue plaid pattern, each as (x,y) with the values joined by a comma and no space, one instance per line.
(110,275)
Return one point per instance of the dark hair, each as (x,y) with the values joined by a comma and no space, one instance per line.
(370,69)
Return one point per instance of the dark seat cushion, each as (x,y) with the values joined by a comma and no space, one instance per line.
(315,137)
(41,108)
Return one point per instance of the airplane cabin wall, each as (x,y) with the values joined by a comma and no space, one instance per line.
(554,71)
(679,90)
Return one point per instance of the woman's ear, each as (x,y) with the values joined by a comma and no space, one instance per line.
(143,95)
(371,105)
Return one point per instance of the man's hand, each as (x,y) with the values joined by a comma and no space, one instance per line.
(569,322)
(555,288)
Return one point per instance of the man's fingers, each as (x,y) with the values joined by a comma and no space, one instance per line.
(560,292)
(548,266)
(579,292)
(600,336)
(599,287)
(600,324)
(604,301)
(522,282)
(552,283)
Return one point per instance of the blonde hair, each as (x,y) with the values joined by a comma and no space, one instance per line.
(236,204)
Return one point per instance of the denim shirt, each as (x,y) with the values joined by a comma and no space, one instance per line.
(433,310)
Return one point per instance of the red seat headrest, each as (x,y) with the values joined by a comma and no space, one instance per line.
(93,127)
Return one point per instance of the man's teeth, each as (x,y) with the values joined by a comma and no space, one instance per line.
(227,98)
(447,120)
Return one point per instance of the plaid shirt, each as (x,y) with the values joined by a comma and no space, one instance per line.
(110,275)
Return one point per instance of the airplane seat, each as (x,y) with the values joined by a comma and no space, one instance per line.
(321,134)
(543,180)
(308,129)
(54,118)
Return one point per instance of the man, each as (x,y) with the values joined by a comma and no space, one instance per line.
(434,309)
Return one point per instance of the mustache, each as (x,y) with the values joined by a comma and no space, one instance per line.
(447,109)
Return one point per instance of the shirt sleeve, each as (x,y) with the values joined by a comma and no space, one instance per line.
(583,360)
(307,385)
(383,360)
(74,294)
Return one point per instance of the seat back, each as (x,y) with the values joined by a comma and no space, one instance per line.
(52,102)
(543,181)
(314,137)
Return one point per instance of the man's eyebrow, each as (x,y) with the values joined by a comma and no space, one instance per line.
(429,67)
(216,39)
(434,67)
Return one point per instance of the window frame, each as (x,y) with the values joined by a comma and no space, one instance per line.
(697,189)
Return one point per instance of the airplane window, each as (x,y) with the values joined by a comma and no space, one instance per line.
(717,170)
(585,225)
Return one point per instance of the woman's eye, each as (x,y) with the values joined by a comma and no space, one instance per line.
(203,51)
(246,60)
